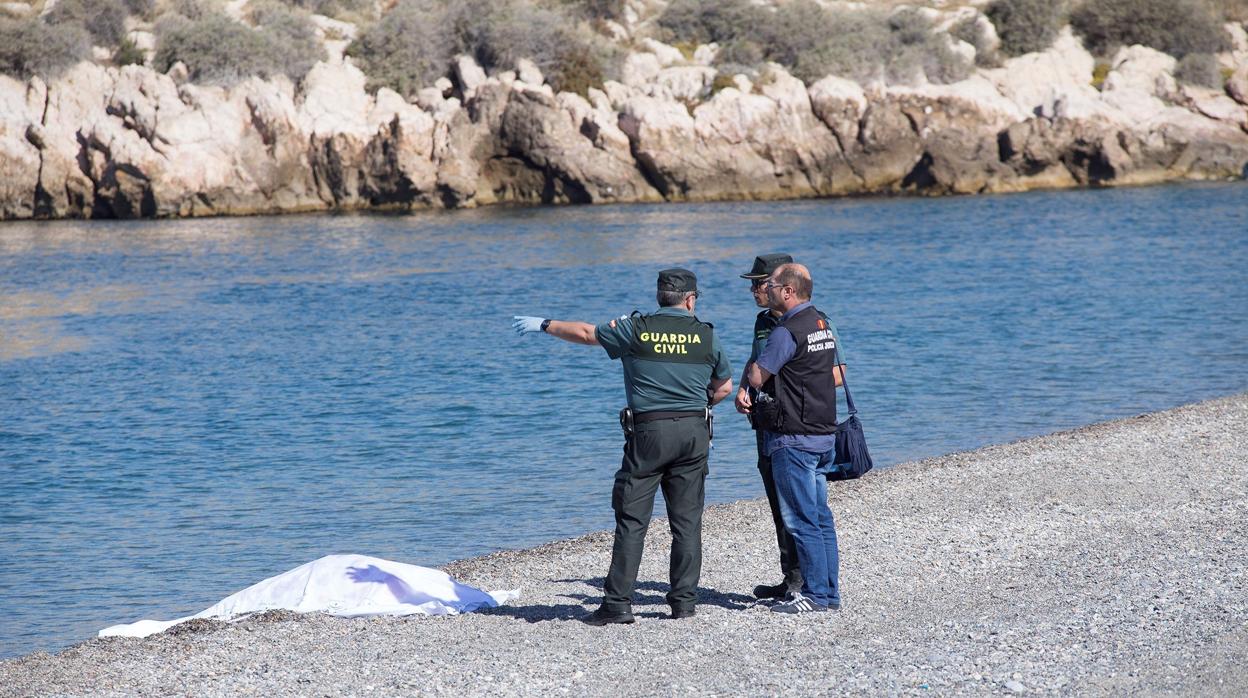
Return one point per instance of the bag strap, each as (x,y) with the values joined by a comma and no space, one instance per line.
(849,399)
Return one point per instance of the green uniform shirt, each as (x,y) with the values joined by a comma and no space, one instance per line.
(653,386)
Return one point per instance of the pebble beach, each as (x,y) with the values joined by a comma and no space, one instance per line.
(1105,560)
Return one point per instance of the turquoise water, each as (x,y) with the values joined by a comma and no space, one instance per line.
(187,407)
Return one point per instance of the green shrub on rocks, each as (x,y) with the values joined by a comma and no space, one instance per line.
(105,20)
(795,36)
(916,51)
(1199,69)
(293,38)
(415,43)
(1025,26)
(813,41)
(142,8)
(31,47)
(406,49)
(128,53)
(195,9)
(858,47)
(218,50)
(968,30)
(704,21)
(1177,27)
(342,9)
(873,46)
(1100,71)
(1232,10)
(497,34)
(598,9)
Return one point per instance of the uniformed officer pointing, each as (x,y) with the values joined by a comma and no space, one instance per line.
(674,369)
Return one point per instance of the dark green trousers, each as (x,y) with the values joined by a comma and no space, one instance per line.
(788,548)
(672,454)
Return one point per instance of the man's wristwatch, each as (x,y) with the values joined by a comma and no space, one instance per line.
(545,324)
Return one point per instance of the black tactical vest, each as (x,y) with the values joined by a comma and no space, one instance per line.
(805,388)
(672,338)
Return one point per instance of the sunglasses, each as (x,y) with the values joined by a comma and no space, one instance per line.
(764,284)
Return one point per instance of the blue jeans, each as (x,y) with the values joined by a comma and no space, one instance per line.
(803,493)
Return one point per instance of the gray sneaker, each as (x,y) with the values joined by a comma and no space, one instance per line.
(796,603)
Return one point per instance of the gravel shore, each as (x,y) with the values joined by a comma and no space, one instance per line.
(1104,560)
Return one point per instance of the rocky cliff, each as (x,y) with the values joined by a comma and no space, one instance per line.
(130,142)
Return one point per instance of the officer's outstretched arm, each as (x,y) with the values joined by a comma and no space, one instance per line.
(572,331)
(575,332)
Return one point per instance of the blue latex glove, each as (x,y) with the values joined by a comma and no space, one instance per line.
(524,324)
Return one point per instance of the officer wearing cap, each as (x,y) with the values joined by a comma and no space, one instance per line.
(674,369)
(764,323)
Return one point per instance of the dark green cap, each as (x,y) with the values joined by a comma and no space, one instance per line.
(765,264)
(677,280)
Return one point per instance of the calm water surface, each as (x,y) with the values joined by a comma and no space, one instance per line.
(187,407)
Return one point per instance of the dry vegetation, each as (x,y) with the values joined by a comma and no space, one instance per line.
(408,44)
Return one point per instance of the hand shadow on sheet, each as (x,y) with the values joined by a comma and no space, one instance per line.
(402,592)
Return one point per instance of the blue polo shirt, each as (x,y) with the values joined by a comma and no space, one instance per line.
(778,351)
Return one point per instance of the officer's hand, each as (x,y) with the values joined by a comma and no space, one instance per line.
(524,324)
(743,401)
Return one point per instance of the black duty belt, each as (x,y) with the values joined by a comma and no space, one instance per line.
(643,417)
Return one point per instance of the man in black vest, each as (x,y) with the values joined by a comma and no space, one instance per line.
(797,375)
(674,368)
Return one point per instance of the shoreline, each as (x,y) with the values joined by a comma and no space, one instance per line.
(743,197)
(1106,559)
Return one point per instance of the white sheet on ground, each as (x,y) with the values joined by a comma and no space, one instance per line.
(342,585)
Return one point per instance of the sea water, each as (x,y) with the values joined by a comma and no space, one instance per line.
(190,406)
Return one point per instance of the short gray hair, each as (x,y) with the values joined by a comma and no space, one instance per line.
(671,299)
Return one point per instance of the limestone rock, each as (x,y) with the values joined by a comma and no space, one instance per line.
(666,55)
(19,10)
(528,72)
(145,41)
(1214,104)
(74,106)
(1238,36)
(640,69)
(536,128)
(1237,86)
(20,113)
(840,103)
(888,149)
(1143,69)
(705,54)
(178,72)
(687,83)
(335,101)
(469,74)
(1034,81)
(960,149)
(770,145)
(329,28)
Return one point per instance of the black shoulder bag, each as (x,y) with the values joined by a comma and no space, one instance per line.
(851,443)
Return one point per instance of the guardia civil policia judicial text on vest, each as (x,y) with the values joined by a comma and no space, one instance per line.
(671,338)
(805,388)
